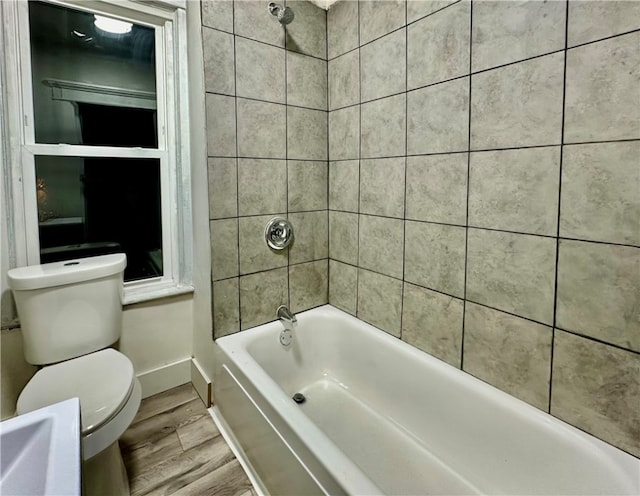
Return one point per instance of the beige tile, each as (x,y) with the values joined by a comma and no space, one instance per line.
(438,46)
(344,184)
(221,125)
(598,292)
(308,33)
(343,237)
(309,285)
(342,28)
(515,190)
(512,272)
(434,257)
(383,132)
(226,307)
(602,91)
(343,285)
(600,196)
(262,186)
(417,9)
(306,81)
(224,248)
(306,134)
(591,20)
(383,66)
(219,62)
(250,22)
(432,322)
(381,245)
(261,129)
(260,296)
(310,236)
(518,105)
(605,403)
(382,187)
(223,187)
(218,14)
(344,80)
(505,32)
(438,118)
(255,255)
(260,71)
(344,133)
(380,301)
(307,185)
(379,18)
(437,188)
(508,352)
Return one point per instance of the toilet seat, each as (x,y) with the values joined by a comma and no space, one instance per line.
(108,389)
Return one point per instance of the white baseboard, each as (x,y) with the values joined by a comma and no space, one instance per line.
(166,377)
(201,382)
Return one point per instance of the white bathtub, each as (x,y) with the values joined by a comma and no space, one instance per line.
(381,417)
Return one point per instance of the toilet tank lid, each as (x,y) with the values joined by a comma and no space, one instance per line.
(65,272)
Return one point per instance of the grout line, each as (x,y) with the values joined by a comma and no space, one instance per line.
(555,284)
(235,99)
(328,168)
(359,158)
(406,150)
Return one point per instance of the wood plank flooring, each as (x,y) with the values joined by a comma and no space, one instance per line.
(174,448)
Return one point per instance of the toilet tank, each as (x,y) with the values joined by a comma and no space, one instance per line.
(68,309)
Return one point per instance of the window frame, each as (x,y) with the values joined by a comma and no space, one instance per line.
(168,19)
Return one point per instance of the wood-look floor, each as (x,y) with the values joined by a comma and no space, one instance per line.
(174,448)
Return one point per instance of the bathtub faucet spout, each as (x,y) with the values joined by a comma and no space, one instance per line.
(287,318)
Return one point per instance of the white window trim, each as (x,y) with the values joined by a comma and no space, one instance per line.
(169,17)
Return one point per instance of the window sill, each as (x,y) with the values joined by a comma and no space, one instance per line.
(154,291)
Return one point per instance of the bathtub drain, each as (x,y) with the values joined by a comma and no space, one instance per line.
(299,398)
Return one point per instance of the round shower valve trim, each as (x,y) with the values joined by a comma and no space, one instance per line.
(278,233)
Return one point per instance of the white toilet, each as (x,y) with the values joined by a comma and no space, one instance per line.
(70,312)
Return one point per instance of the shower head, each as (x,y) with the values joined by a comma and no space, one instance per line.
(284,14)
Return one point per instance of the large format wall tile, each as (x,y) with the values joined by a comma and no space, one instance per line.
(343,285)
(344,185)
(252,20)
(380,301)
(260,296)
(221,125)
(602,91)
(218,14)
(596,388)
(224,248)
(344,133)
(255,255)
(226,307)
(600,198)
(219,63)
(261,129)
(344,80)
(306,134)
(343,237)
(438,118)
(598,292)
(262,186)
(515,190)
(434,257)
(307,188)
(381,241)
(437,188)
(438,46)
(379,18)
(308,32)
(308,285)
(512,272)
(417,9)
(384,127)
(383,66)
(432,322)
(311,236)
(261,71)
(518,105)
(223,188)
(593,20)
(306,81)
(508,352)
(342,28)
(505,32)
(382,187)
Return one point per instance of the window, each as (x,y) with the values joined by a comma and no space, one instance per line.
(99,125)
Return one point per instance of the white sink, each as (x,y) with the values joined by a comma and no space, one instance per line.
(40,451)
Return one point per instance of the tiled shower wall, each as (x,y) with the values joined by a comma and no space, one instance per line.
(484,193)
(266,99)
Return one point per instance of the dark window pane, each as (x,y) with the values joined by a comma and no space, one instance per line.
(77,64)
(93,206)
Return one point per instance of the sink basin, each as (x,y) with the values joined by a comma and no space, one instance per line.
(40,451)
